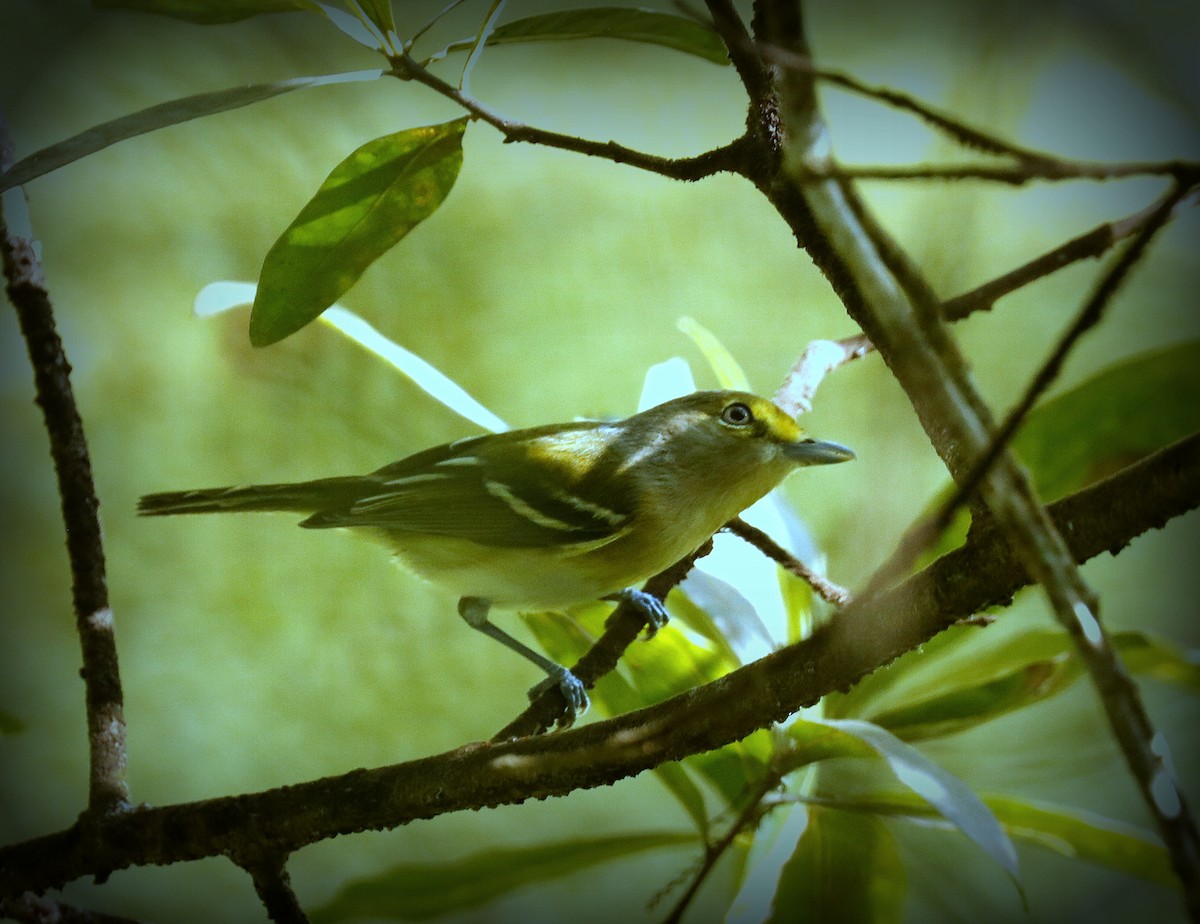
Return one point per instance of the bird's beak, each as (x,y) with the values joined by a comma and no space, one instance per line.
(814,452)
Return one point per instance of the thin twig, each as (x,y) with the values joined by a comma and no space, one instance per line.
(1089,245)
(1013,174)
(107,787)
(826,589)
(749,65)
(925,532)
(621,630)
(891,302)
(749,816)
(727,158)
(1030,164)
(820,357)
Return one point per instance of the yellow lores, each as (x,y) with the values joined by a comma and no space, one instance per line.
(550,516)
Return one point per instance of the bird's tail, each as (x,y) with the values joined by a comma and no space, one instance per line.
(300,497)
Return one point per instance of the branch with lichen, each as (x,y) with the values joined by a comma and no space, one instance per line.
(26,288)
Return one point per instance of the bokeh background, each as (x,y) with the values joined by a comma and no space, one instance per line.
(254,654)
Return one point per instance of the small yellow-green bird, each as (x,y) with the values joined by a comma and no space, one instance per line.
(550,516)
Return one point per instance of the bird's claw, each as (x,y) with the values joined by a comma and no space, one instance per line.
(649,606)
(573,691)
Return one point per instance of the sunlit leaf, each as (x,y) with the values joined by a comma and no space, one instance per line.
(891,684)
(679,783)
(1113,419)
(846,868)
(727,369)
(418,891)
(1154,657)
(717,612)
(486,28)
(221,296)
(953,799)
(351,25)
(163,115)
(207,12)
(632,25)
(368,203)
(1070,832)
(664,381)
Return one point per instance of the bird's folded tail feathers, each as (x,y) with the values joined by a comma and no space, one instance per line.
(299,497)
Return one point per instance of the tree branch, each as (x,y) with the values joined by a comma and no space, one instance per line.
(1089,245)
(622,628)
(895,308)
(107,788)
(727,158)
(866,635)
(274,886)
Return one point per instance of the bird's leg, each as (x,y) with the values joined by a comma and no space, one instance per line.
(647,604)
(474,610)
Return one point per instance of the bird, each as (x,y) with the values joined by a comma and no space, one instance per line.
(550,516)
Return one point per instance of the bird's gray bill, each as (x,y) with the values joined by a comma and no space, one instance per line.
(815,452)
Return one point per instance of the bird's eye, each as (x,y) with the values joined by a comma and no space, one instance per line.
(737,415)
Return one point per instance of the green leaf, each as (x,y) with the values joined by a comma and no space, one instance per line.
(1079,835)
(965,707)
(1113,419)
(1116,417)
(207,12)
(964,688)
(633,25)
(953,799)
(351,25)
(1066,831)
(1154,657)
(163,115)
(725,367)
(380,13)
(823,740)
(564,640)
(846,868)
(10,724)
(417,891)
(368,203)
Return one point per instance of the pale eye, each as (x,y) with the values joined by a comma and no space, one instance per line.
(737,415)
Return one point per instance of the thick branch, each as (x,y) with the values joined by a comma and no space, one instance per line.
(107,789)
(865,635)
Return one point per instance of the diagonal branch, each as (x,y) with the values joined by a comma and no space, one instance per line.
(895,308)
(1090,244)
(866,635)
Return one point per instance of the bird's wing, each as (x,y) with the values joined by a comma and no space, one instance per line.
(504,496)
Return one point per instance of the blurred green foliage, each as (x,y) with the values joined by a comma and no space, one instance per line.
(254,654)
